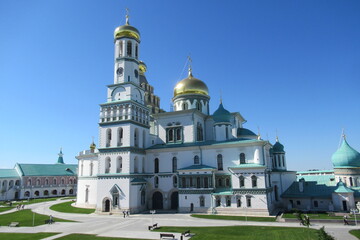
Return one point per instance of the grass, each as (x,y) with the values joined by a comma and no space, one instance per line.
(25,218)
(25,236)
(236,218)
(245,232)
(314,216)
(355,233)
(31,201)
(3,209)
(91,237)
(67,208)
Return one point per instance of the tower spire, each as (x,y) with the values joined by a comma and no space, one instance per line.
(127,16)
(190,67)
(60,159)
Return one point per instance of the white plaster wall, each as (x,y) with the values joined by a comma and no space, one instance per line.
(104,186)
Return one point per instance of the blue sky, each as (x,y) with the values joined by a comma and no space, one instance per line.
(286,66)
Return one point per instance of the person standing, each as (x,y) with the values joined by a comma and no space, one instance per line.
(346,220)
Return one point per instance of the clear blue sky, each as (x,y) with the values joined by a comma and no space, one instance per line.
(290,66)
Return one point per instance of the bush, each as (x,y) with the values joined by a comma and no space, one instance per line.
(322,235)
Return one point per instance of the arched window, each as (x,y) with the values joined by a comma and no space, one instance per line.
(87,195)
(37,182)
(248,201)
(143,197)
(91,169)
(46,182)
(54,181)
(218,202)
(70,181)
(178,134)
(108,137)
(254,181)
(62,181)
(118,165)
(242,158)
(136,51)
(156,181)
(242,181)
(351,181)
(283,160)
(171,135)
(196,160)
(156,165)
(206,182)
(71,191)
(227,132)
(28,182)
(220,162)
(199,131)
(129,49)
(238,201)
(36,193)
(175,181)
(174,164)
(143,165)
(136,167)
(202,201)
(136,137)
(46,193)
(107,165)
(276,193)
(185,106)
(220,183)
(199,106)
(227,182)
(120,133)
(228,201)
(198,182)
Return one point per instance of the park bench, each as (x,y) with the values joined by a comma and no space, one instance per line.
(14,224)
(48,221)
(166,235)
(186,233)
(154,226)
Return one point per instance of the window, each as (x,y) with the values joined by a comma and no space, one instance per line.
(143,165)
(46,181)
(298,202)
(183,182)
(87,195)
(120,136)
(351,181)
(185,106)
(156,165)
(108,137)
(136,137)
(242,181)
(136,165)
(220,184)
(143,197)
(248,201)
(54,181)
(316,204)
(174,134)
(199,106)
(136,51)
(174,164)
(28,182)
(283,161)
(242,158)
(120,48)
(199,131)
(129,49)
(220,162)
(91,169)
(118,165)
(62,181)
(254,181)
(156,182)
(218,202)
(202,201)
(206,182)
(107,165)
(37,182)
(227,182)
(227,132)
(238,202)
(175,181)
(276,193)
(196,160)
(198,182)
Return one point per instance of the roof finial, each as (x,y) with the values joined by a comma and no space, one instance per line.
(127,16)
(60,159)
(220,96)
(190,63)
(259,135)
(343,134)
(277,137)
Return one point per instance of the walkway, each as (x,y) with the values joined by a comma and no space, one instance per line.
(136,226)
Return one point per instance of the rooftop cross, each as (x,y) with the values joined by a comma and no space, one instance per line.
(190,63)
(127,16)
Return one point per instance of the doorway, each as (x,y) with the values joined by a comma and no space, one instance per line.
(175,200)
(345,209)
(157,200)
(107,205)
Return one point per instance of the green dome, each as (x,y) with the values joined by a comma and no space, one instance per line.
(346,156)
(244,132)
(221,115)
(278,147)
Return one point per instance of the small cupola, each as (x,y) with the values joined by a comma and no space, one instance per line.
(346,156)
(127,31)
(221,115)
(60,159)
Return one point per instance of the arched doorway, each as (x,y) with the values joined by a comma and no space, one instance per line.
(16,195)
(157,200)
(191,207)
(174,200)
(107,205)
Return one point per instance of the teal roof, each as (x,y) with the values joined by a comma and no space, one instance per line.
(315,171)
(223,191)
(197,167)
(278,147)
(9,173)
(221,115)
(138,180)
(48,169)
(248,165)
(346,156)
(341,188)
(204,143)
(244,132)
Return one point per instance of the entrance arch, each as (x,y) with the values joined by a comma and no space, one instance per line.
(174,200)
(157,200)
(107,205)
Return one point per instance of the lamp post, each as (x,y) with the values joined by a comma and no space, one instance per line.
(354,211)
(152,218)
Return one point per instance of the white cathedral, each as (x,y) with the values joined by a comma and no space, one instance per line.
(186,160)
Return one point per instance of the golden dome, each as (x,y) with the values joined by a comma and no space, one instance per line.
(142,67)
(127,31)
(191,85)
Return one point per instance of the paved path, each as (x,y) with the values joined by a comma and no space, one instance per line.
(136,226)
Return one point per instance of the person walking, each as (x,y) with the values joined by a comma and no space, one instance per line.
(346,220)
(124,214)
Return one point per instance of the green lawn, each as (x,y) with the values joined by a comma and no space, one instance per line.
(246,232)
(25,218)
(91,237)
(67,208)
(31,201)
(314,216)
(25,236)
(356,233)
(237,218)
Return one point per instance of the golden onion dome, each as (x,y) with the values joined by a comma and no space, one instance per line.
(191,85)
(142,67)
(127,31)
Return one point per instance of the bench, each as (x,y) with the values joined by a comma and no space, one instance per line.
(186,233)
(153,226)
(167,235)
(48,221)
(14,224)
